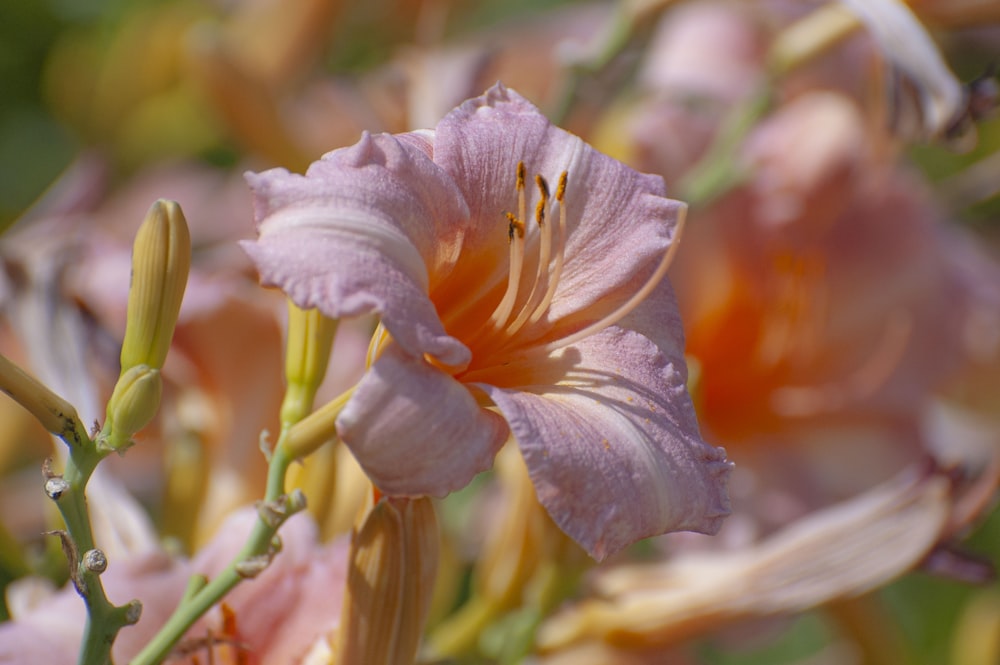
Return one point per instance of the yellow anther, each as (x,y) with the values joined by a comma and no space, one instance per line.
(543,186)
(514,224)
(161,259)
(520,175)
(561,187)
(543,199)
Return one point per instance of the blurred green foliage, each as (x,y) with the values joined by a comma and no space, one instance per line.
(34,148)
(37,144)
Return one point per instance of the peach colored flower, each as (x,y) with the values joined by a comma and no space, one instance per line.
(555,331)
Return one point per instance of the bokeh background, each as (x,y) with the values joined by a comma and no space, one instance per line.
(838,279)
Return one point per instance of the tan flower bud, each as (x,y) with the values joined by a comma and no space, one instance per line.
(523,561)
(133,404)
(310,338)
(56,414)
(977,631)
(394,557)
(161,258)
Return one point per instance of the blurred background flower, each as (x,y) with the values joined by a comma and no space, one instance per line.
(838,281)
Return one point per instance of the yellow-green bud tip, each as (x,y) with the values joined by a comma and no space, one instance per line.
(310,338)
(133,404)
(161,259)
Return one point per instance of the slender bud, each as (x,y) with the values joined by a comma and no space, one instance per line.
(310,338)
(161,258)
(133,404)
(811,36)
(56,414)
(393,560)
(320,426)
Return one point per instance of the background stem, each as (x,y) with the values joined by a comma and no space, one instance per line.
(258,545)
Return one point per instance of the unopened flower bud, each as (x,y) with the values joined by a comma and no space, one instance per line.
(310,337)
(56,414)
(161,258)
(133,404)
(393,560)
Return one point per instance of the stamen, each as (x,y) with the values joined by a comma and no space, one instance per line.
(539,288)
(551,258)
(522,206)
(550,292)
(515,234)
(637,297)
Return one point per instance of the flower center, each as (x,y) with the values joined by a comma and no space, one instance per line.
(508,338)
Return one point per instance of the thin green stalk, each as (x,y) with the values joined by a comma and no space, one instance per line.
(252,558)
(104,619)
(310,339)
(617,38)
(717,172)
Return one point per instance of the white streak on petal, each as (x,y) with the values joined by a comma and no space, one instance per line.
(390,242)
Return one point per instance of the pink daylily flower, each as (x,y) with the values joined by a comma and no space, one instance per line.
(509,307)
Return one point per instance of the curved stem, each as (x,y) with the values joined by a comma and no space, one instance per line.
(624,29)
(104,619)
(717,172)
(251,559)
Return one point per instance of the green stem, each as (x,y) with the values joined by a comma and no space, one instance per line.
(257,548)
(104,619)
(617,38)
(629,29)
(797,45)
(717,171)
